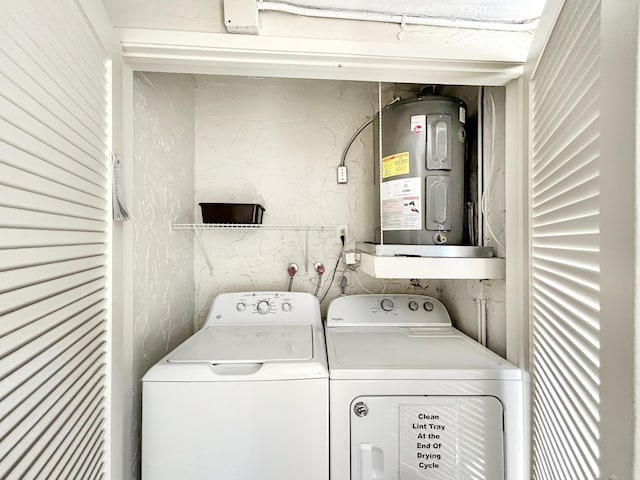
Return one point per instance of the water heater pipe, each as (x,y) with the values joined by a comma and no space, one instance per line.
(380,160)
(481,301)
(480,169)
(399,19)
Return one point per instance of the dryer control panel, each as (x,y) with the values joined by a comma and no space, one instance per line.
(388,310)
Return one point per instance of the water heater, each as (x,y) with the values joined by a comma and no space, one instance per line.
(422,179)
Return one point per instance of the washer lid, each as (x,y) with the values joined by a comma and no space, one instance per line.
(246,344)
(420,353)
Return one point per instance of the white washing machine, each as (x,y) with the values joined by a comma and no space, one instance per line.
(245,398)
(412,398)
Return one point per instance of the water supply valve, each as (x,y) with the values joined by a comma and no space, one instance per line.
(292,269)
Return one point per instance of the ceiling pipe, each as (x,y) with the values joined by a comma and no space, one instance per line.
(399,19)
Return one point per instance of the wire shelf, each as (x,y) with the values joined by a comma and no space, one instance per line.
(253,226)
(340,230)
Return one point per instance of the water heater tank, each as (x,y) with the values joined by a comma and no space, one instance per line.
(421,194)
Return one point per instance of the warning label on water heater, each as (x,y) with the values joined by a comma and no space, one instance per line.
(401,204)
(396,164)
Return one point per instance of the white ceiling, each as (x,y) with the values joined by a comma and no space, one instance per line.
(493,11)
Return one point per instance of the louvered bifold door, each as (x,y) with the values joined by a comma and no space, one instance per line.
(565,258)
(53,170)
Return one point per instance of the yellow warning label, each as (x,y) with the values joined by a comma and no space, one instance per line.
(396,164)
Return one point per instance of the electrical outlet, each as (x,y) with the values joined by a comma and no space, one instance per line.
(351,258)
(342,174)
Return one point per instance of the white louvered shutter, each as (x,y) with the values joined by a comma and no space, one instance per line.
(565,248)
(53,223)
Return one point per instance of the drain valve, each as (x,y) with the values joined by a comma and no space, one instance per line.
(439,238)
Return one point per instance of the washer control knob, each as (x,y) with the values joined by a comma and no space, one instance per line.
(428,306)
(263,307)
(286,307)
(387,304)
(413,305)
(241,306)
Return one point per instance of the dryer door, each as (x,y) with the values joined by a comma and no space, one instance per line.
(427,438)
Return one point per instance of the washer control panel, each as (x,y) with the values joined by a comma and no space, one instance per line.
(265,303)
(388,310)
(264,307)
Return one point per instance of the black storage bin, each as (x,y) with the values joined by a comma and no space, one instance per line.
(232,213)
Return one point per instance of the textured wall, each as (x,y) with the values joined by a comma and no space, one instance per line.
(278,142)
(163,194)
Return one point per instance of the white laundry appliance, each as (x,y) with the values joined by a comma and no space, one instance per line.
(412,398)
(245,398)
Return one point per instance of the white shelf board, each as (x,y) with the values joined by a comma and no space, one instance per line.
(433,267)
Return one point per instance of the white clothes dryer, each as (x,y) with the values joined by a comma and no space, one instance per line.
(412,398)
(244,398)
